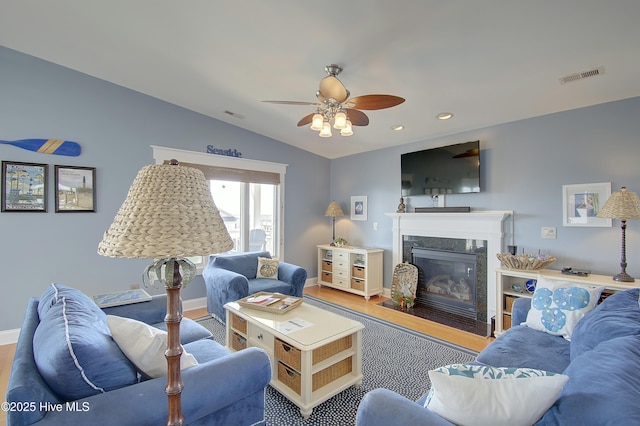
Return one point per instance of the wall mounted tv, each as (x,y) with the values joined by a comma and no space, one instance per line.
(453,169)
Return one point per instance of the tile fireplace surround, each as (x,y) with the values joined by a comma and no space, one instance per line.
(475,225)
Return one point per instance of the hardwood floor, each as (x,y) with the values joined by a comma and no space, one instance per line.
(351,301)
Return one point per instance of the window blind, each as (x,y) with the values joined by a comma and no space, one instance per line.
(235,175)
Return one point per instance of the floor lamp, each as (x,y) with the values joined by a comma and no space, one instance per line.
(334,211)
(168,215)
(622,205)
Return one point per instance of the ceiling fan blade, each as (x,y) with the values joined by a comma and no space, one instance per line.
(331,87)
(357,118)
(306,120)
(371,102)
(293,103)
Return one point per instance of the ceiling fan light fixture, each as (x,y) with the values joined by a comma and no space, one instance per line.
(326,130)
(340,120)
(316,122)
(348,130)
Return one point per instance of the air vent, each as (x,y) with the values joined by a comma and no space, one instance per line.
(580,75)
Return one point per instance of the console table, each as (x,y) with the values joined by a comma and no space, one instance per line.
(354,269)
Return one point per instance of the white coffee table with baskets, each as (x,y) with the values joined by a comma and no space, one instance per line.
(314,353)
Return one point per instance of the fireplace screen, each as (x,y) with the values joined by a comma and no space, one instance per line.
(446,280)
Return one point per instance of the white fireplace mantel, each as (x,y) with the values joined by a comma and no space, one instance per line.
(476,225)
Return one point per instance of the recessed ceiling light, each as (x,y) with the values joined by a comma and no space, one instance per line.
(398,127)
(444,115)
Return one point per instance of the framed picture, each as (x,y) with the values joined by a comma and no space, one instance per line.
(75,189)
(359,207)
(581,204)
(24,187)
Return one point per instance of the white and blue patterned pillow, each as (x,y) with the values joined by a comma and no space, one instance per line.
(484,395)
(557,306)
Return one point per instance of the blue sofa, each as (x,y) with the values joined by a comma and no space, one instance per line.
(231,277)
(602,361)
(68,370)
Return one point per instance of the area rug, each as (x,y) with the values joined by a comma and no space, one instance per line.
(393,357)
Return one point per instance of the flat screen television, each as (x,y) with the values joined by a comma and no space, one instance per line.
(453,169)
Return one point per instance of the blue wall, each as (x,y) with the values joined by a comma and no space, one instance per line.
(116,127)
(524,165)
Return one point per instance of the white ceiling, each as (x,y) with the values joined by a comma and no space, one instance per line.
(488,62)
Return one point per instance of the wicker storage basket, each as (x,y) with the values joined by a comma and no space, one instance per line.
(330,349)
(287,354)
(357,284)
(525,262)
(331,373)
(238,342)
(239,323)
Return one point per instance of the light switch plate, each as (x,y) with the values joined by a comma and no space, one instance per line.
(549,232)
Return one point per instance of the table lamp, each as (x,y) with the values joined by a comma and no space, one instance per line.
(168,215)
(334,210)
(622,205)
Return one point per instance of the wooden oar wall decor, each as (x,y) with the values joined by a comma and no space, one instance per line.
(47,146)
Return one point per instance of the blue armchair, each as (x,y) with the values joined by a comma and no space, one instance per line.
(231,277)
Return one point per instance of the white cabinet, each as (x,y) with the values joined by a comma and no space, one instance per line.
(507,279)
(354,269)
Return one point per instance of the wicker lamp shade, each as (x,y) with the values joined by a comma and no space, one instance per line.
(621,205)
(334,210)
(168,213)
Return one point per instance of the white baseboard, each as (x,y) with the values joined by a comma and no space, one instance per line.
(191,304)
(8,337)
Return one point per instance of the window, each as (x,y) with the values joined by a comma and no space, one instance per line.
(248,211)
(248,193)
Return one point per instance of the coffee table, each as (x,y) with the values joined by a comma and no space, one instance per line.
(315,354)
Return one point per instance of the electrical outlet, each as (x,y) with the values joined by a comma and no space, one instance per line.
(375,226)
(549,232)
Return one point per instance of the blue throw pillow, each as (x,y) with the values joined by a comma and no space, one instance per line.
(557,306)
(618,315)
(55,292)
(75,354)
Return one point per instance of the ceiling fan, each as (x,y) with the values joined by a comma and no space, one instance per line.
(336,107)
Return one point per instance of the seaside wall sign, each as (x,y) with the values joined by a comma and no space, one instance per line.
(220,151)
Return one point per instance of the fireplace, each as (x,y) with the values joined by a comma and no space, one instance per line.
(446,281)
(477,233)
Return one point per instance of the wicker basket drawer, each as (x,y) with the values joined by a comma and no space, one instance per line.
(327,265)
(239,323)
(238,342)
(330,349)
(357,284)
(506,321)
(357,271)
(327,277)
(289,377)
(287,354)
(508,303)
(331,373)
